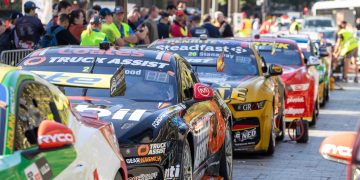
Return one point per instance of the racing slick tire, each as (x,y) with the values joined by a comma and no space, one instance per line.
(271,148)
(282,127)
(327,93)
(325,97)
(187,162)
(305,136)
(315,114)
(226,161)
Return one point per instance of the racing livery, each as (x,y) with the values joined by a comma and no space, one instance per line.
(300,77)
(41,138)
(169,125)
(236,71)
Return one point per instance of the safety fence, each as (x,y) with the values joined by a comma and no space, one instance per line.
(12,57)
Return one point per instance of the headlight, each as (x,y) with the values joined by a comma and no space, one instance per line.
(249,106)
(298,87)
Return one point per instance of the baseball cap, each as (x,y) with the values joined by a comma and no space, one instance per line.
(105,11)
(30,5)
(180,12)
(16,15)
(119,9)
(95,20)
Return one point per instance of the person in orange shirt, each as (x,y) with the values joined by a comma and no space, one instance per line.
(266,26)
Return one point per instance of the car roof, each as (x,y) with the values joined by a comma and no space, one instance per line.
(150,54)
(197,40)
(269,39)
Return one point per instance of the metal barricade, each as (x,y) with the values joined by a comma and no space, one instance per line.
(12,57)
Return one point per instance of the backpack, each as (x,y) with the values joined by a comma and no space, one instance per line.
(49,39)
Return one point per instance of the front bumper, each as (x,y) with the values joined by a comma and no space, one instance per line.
(298,105)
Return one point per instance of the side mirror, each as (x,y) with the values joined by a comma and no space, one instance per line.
(275,70)
(202,92)
(338,147)
(313,61)
(220,64)
(323,52)
(52,134)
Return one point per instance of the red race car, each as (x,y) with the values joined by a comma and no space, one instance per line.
(300,78)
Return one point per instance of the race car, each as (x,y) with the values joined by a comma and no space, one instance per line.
(300,77)
(236,70)
(313,47)
(42,138)
(343,148)
(168,125)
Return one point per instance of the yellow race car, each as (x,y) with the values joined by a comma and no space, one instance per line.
(250,88)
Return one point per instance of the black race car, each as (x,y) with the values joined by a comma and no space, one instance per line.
(169,126)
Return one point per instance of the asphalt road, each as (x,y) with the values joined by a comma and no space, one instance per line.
(303,161)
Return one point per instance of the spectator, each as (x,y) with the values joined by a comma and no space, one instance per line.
(2,27)
(76,24)
(224,27)
(151,24)
(256,26)
(181,5)
(63,7)
(29,28)
(97,9)
(358,24)
(13,40)
(89,14)
(266,26)
(141,31)
(126,32)
(63,37)
(6,36)
(197,30)
(211,29)
(164,26)
(171,10)
(93,36)
(109,28)
(55,9)
(178,28)
(144,14)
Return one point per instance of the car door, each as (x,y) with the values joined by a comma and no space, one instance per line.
(204,117)
(33,105)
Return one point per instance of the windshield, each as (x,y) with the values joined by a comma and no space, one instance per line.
(146,79)
(315,23)
(238,61)
(284,54)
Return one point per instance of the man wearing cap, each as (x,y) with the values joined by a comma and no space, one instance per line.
(93,36)
(140,30)
(126,32)
(29,28)
(151,24)
(110,29)
(164,26)
(63,7)
(178,28)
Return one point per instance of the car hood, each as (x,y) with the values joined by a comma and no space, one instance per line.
(133,121)
(294,74)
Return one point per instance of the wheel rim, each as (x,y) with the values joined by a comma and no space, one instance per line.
(187,163)
(228,153)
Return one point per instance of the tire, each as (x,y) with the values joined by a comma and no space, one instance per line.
(271,148)
(323,103)
(118,176)
(305,137)
(282,128)
(187,162)
(314,114)
(327,96)
(226,161)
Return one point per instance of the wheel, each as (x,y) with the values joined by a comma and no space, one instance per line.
(323,102)
(282,128)
(314,114)
(327,94)
(317,108)
(271,148)
(305,136)
(118,176)
(226,161)
(187,167)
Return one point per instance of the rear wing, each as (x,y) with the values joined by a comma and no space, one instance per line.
(13,57)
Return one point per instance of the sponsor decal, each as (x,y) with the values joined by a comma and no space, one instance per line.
(115,61)
(295,100)
(34,61)
(118,115)
(118,85)
(204,90)
(245,135)
(201,139)
(265,45)
(340,150)
(249,106)
(172,172)
(58,137)
(94,51)
(294,111)
(38,170)
(143,160)
(167,114)
(10,132)
(144,176)
(151,149)
(228,93)
(203,48)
